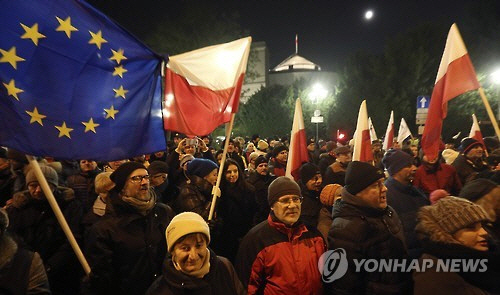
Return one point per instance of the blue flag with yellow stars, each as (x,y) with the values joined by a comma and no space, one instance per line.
(75,85)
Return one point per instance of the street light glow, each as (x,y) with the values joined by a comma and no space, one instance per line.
(369,14)
(318,92)
(495,76)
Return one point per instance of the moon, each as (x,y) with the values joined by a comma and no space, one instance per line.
(369,14)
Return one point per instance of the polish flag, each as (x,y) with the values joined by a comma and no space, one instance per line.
(373,134)
(455,76)
(475,132)
(297,152)
(389,133)
(362,143)
(203,87)
(403,132)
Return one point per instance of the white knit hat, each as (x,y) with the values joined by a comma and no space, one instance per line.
(449,155)
(183,224)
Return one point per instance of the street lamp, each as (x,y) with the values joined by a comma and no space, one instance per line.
(318,93)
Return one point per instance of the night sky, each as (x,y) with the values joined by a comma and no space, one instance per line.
(329,31)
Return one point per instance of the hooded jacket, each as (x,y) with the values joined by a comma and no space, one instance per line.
(438,244)
(367,233)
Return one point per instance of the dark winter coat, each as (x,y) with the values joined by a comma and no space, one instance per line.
(236,208)
(325,160)
(276,259)
(34,225)
(7,180)
(125,249)
(195,196)
(83,185)
(468,170)
(221,279)
(438,244)
(21,271)
(311,206)
(335,173)
(406,200)
(261,184)
(367,233)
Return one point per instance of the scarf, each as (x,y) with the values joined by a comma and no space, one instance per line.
(200,273)
(142,206)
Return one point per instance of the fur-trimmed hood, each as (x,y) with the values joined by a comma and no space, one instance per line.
(62,194)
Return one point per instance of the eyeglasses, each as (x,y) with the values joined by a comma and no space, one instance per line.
(288,201)
(139,178)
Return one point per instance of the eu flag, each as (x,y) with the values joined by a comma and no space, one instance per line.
(75,85)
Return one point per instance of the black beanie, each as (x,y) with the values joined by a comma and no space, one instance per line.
(477,188)
(281,186)
(260,159)
(307,171)
(394,160)
(120,175)
(278,149)
(201,167)
(360,175)
(467,144)
(157,167)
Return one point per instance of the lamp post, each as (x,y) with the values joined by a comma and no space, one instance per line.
(318,93)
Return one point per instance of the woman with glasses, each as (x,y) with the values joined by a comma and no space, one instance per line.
(280,255)
(125,249)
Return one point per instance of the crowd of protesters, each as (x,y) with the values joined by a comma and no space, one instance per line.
(143,223)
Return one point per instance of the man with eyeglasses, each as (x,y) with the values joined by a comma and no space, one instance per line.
(126,248)
(365,227)
(33,222)
(280,255)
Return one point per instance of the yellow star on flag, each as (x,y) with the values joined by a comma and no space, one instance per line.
(111,112)
(65,26)
(10,57)
(36,117)
(64,130)
(118,55)
(97,39)
(120,92)
(90,125)
(12,89)
(119,71)
(32,33)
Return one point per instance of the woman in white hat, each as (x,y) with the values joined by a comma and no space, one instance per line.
(191,267)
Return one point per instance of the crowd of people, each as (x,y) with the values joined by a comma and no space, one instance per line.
(144,223)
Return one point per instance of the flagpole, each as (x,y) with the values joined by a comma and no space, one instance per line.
(489,111)
(57,212)
(215,190)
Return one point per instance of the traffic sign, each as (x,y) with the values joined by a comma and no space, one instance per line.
(423,102)
(317,119)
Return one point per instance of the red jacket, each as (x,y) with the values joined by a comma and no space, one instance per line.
(444,177)
(276,259)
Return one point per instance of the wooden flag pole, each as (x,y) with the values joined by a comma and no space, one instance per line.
(57,212)
(216,190)
(489,111)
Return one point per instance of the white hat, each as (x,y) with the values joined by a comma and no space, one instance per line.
(183,224)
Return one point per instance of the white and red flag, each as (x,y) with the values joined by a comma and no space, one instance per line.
(455,76)
(373,134)
(362,143)
(389,133)
(475,132)
(297,152)
(404,131)
(203,87)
